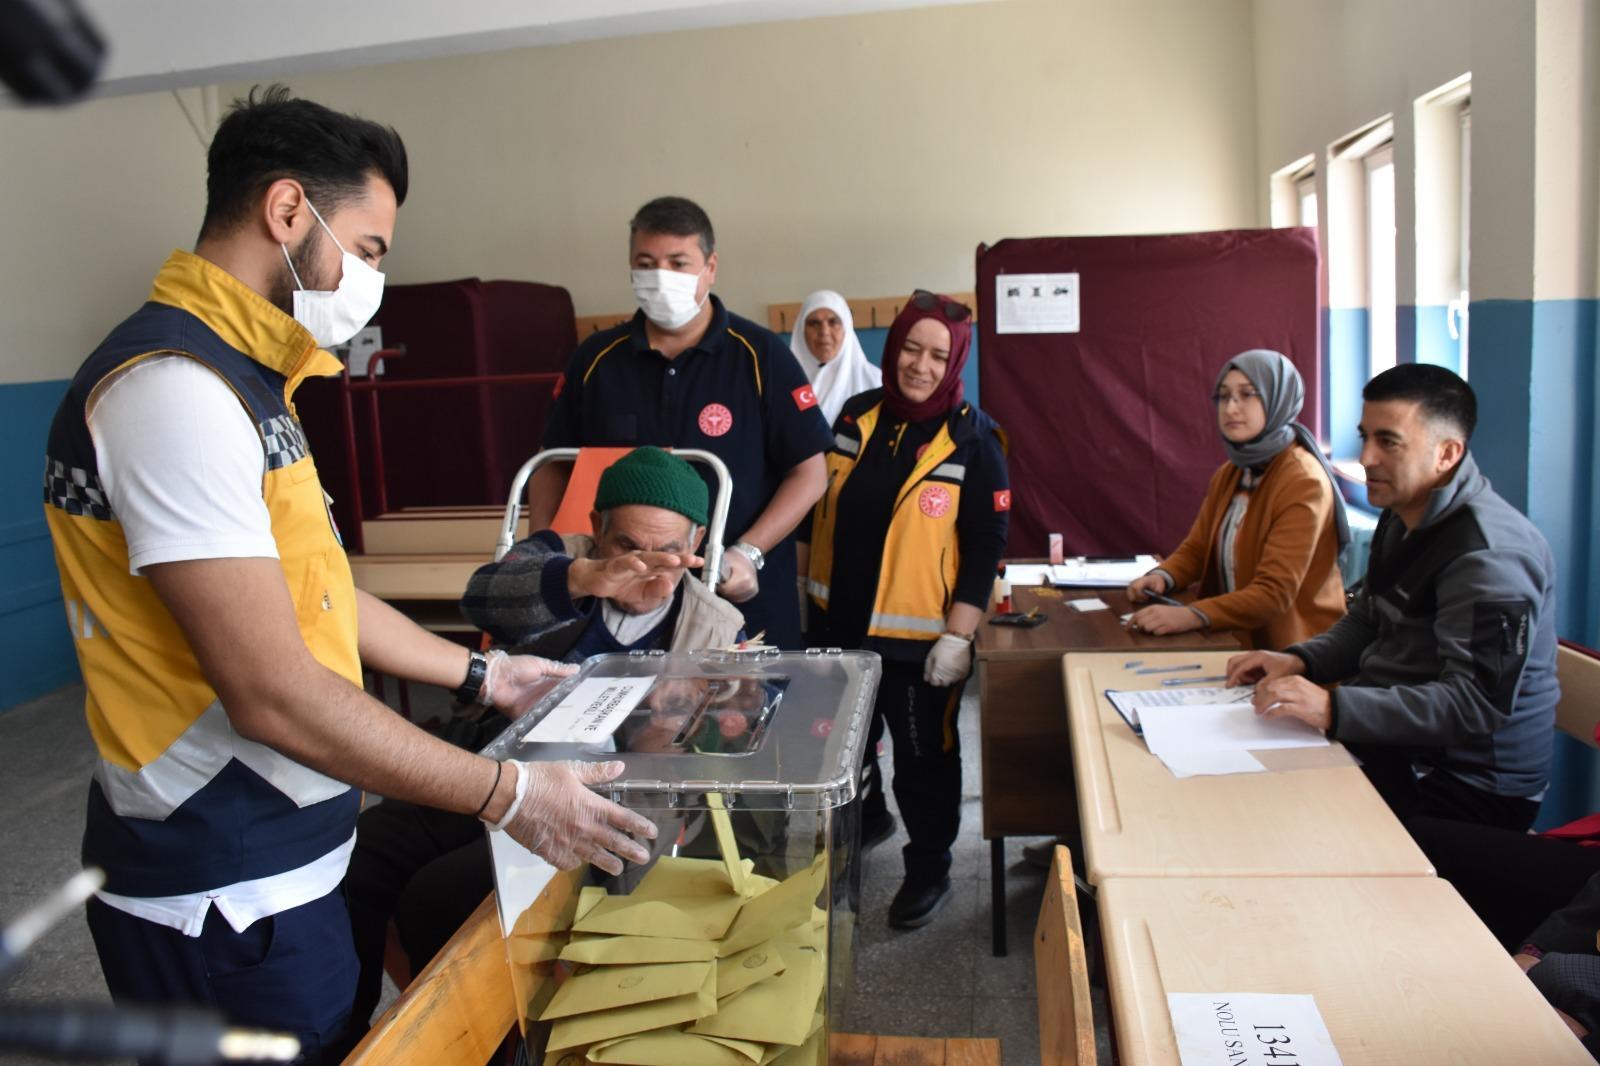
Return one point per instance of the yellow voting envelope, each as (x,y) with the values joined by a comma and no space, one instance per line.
(723,826)
(672,1047)
(805,1055)
(778,1010)
(777,909)
(739,971)
(610,987)
(703,918)
(624,950)
(595,1026)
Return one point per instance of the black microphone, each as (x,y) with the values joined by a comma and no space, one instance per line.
(49,52)
(175,1036)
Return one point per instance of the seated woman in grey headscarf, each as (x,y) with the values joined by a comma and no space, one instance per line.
(1265,547)
(825,343)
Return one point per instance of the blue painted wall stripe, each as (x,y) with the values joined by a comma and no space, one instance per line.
(35,648)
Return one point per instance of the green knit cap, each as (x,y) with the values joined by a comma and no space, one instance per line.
(651,476)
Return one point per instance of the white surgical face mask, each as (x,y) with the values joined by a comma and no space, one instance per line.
(334,317)
(667,297)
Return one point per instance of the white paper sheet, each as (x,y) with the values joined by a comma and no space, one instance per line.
(1231,1028)
(591,712)
(1128,701)
(1027,573)
(1210,763)
(1223,727)
(1080,571)
(1092,603)
(1036,303)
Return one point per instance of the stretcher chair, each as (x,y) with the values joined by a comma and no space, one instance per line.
(572,516)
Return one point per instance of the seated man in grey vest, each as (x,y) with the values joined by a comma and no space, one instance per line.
(622,590)
(1446,661)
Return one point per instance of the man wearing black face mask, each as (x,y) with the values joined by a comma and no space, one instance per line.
(220,635)
(687,373)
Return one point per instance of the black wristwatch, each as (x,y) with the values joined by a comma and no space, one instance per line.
(477,670)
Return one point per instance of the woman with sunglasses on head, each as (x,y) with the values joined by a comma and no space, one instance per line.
(825,344)
(1265,546)
(904,545)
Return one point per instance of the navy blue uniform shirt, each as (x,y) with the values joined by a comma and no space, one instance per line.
(738,394)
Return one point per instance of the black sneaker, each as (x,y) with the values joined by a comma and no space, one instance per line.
(916,903)
(875,830)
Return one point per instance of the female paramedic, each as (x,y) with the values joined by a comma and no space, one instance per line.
(904,545)
(1265,546)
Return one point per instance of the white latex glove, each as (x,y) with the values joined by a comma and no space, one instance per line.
(948,660)
(565,824)
(514,683)
(739,578)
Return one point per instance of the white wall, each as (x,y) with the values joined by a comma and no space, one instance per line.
(868,153)
(96,196)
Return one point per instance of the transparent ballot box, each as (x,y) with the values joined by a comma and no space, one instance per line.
(733,943)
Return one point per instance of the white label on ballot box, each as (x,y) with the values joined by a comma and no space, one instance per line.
(1036,303)
(1250,1029)
(592,711)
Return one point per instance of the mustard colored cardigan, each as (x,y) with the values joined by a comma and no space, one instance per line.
(1286,556)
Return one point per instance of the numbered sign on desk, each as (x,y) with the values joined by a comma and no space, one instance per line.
(1250,1029)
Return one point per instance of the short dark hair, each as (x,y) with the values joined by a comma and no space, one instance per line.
(1441,395)
(676,216)
(269,135)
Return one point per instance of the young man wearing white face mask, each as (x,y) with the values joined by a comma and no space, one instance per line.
(220,635)
(687,373)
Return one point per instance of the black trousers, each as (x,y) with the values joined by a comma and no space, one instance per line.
(1437,794)
(425,868)
(1512,880)
(921,721)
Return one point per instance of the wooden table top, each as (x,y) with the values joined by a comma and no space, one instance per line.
(420,576)
(1402,971)
(1068,630)
(1140,821)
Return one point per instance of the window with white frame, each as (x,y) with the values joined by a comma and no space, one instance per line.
(1380,232)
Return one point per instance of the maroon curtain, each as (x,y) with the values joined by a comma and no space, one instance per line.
(1112,434)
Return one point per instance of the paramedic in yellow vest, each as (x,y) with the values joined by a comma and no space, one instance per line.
(904,546)
(220,636)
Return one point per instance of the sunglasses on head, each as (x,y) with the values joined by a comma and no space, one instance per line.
(923,300)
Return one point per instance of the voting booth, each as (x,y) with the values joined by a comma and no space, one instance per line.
(733,944)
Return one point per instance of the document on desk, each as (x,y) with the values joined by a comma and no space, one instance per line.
(1228,1028)
(1127,702)
(1102,573)
(1224,727)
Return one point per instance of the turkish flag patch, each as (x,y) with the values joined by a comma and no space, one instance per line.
(805,397)
(1002,500)
(561,383)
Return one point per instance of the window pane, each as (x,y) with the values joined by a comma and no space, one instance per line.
(1308,206)
(1380,260)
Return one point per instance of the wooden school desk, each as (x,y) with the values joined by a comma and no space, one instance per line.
(1402,971)
(1025,751)
(1140,821)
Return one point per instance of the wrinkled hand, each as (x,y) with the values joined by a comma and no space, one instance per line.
(949,660)
(633,574)
(1161,620)
(565,824)
(515,683)
(740,582)
(1151,582)
(1295,697)
(1254,667)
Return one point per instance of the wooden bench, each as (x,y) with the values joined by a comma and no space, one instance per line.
(1061,971)
(460,1008)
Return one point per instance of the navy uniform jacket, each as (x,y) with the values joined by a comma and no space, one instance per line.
(738,394)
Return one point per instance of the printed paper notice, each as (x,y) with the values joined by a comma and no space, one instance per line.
(1250,1029)
(1036,303)
(592,711)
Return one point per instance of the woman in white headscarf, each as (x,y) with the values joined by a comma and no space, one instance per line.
(825,343)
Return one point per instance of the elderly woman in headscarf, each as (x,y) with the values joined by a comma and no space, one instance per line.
(1265,546)
(904,545)
(825,343)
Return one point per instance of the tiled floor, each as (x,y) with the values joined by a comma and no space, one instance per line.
(940,980)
